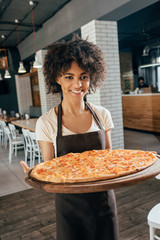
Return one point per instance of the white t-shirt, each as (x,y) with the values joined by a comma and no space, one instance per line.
(46,126)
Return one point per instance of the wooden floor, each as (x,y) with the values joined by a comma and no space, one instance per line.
(30,214)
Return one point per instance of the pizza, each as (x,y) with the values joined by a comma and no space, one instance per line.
(93,165)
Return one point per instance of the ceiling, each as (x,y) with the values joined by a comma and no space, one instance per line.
(141,28)
(138,29)
(21,10)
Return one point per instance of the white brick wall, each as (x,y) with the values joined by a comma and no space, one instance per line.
(48,101)
(24,97)
(104,34)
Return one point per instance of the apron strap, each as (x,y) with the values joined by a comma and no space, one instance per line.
(95,116)
(59,118)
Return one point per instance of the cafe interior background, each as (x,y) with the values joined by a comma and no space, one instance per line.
(128,32)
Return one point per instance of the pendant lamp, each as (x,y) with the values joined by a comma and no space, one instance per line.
(21,68)
(7,74)
(36,63)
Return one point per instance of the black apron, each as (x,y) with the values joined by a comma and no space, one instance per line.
(84,216)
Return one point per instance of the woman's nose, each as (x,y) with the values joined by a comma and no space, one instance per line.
(77,83)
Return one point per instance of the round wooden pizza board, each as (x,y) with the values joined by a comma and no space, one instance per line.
(96,186)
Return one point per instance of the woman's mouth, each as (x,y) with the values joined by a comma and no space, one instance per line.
(76,92)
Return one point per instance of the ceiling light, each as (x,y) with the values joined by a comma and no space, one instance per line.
(36,63)
(7,74)
(3,37)
(21,68)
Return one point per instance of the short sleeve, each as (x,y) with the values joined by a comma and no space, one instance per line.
(43,132)
(104,116)
(108,123)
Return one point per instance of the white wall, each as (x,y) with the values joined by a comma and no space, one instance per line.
(48,101)
(104,34)
(24,96)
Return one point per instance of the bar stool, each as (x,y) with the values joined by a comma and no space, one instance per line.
(154,221)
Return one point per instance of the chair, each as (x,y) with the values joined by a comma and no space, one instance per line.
(36,151)
(14,144)
(14,132)
(27,146)
(3,135)
(154,221)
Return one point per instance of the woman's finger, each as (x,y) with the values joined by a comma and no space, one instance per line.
(25,166)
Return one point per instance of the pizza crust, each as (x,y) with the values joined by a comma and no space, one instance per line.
(94,165)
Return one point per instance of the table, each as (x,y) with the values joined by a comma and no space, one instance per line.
(29,124)
(7,118)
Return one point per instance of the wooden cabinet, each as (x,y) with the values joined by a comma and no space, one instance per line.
(33,75)
(3,59)
(35,89)
(141,112)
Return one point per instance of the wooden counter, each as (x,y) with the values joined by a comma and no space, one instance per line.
(142,111)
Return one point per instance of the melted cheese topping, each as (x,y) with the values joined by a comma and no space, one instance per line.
(93,165)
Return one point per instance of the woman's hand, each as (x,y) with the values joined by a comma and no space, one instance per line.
(25,166)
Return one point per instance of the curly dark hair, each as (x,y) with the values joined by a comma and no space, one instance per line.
(60,56)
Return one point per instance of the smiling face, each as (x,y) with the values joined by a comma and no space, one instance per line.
(74,82)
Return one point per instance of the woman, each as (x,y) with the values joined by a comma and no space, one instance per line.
(73,69)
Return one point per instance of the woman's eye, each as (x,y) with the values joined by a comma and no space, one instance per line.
(84,77)
(69,77)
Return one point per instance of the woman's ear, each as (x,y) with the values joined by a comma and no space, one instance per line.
(59,81)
